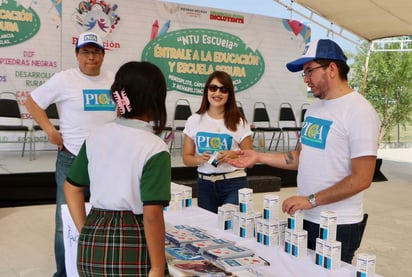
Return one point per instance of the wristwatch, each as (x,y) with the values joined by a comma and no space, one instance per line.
(312,200)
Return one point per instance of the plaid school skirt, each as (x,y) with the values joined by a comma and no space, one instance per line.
(112,243)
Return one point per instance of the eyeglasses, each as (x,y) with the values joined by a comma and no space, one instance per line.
(308,72)
(214,88)
(86,53)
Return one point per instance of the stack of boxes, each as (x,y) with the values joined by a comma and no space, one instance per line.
(266,227)
(245,222)
(245,219)
(296,239)
(328,249)
(180,197)
(271,230)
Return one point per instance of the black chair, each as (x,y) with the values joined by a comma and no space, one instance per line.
(287,122)
(240,107)
(11,120)
(261,124)
(303,110)
(181,114)
(53,116)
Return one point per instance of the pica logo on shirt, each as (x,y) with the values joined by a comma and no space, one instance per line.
(98,100)
(315,131)
(213,142)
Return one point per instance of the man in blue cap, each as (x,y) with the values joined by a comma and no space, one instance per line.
(82,97)
(337,152)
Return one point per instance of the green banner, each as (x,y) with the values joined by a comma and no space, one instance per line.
(188,56)
(17,24)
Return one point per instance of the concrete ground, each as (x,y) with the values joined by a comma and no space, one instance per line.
(26,233)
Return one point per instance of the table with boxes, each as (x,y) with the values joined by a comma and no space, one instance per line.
(282,243)
(274,247)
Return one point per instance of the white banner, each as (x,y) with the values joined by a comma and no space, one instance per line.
(186,42)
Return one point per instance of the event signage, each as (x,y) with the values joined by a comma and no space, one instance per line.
(17,23)
(186,42)
(188,56)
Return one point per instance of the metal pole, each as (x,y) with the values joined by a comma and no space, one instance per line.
(366,68)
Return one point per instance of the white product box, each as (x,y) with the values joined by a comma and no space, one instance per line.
(331,254)
(176,200)
(187,196)
(235,223)
(246,200)
(365,265)
(320,243)
(259,230)
(232,206)
(213,159)
(271,233)
(283,224)
(258,216)
(295,221)
(299,242)
(288,240)
(328,225)
(225,217)
(271,207)
(246,225)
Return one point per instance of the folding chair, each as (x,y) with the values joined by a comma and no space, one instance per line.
(287,123)
(303,110)
(53,116)
(181,114)
(261,124)
(11,120)
(240,107)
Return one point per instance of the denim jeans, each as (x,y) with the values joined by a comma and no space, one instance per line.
(63,163)
(211,195)
(350,235)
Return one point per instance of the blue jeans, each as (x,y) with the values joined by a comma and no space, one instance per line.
(350,235)
(63,163)
(211,195)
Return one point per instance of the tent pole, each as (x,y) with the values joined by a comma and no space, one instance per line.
(366,68)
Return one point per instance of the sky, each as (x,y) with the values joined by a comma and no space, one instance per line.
(271,8)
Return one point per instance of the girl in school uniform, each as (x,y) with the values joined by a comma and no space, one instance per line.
(127,167)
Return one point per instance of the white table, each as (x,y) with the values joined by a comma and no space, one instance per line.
(281,263)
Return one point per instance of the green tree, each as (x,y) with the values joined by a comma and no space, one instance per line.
(388,84)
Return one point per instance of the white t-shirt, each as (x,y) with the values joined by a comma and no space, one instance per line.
(211,134)
(83,102)
(334,132)
(126,165)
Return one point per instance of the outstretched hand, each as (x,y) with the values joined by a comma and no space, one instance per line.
(245,158)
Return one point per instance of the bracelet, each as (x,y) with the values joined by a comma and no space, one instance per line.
(312,200)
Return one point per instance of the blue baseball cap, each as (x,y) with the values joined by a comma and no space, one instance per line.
(318,49)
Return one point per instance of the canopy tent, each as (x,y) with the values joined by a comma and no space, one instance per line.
(368,19)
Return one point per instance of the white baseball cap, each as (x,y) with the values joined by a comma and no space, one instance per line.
(89,38)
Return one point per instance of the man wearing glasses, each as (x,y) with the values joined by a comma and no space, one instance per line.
(337,152)
(82,97)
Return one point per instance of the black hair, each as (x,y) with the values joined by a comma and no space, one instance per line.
(145,86)
(341,65)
